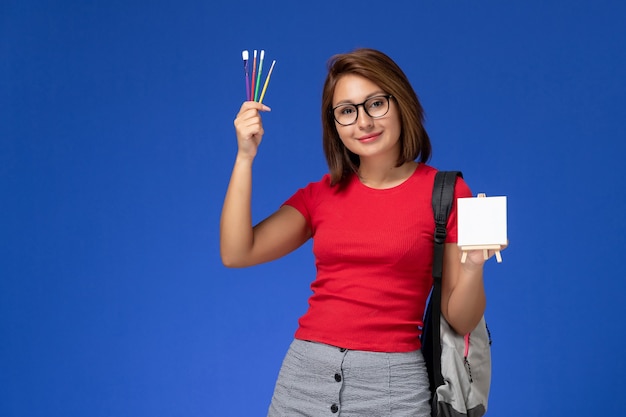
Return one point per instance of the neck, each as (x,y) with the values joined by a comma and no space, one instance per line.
(385,175)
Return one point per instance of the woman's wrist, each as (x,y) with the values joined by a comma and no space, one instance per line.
(243,158)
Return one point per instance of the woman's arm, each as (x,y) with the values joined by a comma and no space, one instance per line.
(463,293)
(241,244)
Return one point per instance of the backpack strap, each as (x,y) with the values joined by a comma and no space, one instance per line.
(443,196)
(442,200)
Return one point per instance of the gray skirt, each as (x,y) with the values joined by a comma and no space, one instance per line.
(317,380)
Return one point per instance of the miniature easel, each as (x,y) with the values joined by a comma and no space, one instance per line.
(484,248)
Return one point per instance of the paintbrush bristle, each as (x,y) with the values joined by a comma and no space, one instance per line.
(245,55)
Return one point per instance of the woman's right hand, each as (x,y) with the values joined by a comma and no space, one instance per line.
(249,128)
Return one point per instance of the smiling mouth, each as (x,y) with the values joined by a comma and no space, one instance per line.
(368,138)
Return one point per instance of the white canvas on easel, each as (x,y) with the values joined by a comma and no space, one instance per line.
(482,224)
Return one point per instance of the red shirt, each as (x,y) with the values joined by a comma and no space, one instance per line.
(373,253)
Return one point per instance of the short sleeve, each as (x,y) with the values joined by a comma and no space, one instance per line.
(299,202)
(306,199)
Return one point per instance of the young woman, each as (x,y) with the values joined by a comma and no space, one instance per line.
(356,351)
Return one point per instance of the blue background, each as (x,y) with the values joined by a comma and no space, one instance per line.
(116,145)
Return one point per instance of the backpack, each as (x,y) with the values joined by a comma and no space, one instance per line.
(459,367)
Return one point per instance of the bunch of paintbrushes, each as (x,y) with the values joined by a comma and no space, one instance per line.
(253,80)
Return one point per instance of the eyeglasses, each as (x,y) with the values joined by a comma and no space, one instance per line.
(375,107)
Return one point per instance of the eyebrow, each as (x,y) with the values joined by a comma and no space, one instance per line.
(377,93)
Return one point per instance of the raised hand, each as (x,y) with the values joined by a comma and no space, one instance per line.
(249,128)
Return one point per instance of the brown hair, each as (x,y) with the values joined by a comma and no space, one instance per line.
(384,72)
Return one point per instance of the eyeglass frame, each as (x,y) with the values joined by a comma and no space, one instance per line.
(356,106)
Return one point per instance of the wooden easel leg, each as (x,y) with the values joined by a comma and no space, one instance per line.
(484,248)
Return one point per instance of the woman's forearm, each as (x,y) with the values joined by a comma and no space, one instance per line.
(236,234)
(467,301)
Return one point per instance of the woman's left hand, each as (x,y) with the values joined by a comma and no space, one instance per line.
(476,258)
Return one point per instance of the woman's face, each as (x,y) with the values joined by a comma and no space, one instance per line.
(367,137)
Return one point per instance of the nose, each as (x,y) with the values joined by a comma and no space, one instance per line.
(363,120)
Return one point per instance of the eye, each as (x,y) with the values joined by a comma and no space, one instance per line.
(375,102)
(346,110)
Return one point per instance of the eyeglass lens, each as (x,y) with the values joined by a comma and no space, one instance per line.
(347,114)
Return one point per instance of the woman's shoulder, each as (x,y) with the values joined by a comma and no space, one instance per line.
(426,170)
(322,183)
(316,187)
(309,196)
(426,173)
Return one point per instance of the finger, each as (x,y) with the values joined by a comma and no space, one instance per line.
(247,116)
(249,105)
(249,128)
(248,124)
(247,119)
